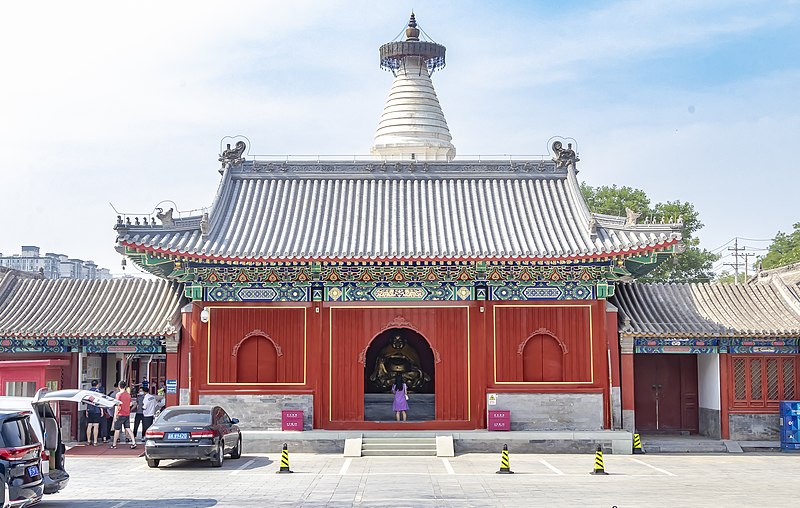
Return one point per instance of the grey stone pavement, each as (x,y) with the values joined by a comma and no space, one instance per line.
(466,480)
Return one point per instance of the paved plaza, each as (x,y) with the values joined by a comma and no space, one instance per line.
(465,480)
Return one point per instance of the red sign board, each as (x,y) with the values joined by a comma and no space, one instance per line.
(499,420)
(291,420)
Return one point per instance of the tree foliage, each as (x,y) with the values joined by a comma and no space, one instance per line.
(692,265)
(784,249)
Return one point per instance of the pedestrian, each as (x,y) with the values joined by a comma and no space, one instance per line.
(400,404)
(150,405)
(93,418)
(139,405)
(122,415)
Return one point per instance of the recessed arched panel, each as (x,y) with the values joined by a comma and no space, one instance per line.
(256,360)
(542,359)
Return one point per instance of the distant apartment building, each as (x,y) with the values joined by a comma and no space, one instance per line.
(52,265)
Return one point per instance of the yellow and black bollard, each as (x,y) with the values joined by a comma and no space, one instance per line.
(504,467)
(285,461)
(637,444)
(598,462)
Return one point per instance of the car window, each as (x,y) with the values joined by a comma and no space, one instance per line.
(197,416)
(16,432)
(224,419)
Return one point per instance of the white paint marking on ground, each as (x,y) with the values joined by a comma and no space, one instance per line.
(139,468)
(447,466)
(120,504)
(346,465)
(552,467)
(653,467)
(243,466)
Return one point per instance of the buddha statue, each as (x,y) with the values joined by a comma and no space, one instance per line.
(398,357)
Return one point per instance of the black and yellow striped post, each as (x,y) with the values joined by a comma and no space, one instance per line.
(637,444)
(504,467)
(599,468)
(285,461)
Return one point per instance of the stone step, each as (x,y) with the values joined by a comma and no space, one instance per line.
(398,446)
(399,442)
(399,452)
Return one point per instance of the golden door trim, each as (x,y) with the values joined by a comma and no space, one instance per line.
(540,383)
(363,307)
(208,343)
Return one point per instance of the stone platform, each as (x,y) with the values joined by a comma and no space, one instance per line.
(618,442)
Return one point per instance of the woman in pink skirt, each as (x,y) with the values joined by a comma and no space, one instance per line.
(400,404)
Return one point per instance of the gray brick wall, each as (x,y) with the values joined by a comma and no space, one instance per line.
(755,427)
(552,411)
(262,412)
(709,423)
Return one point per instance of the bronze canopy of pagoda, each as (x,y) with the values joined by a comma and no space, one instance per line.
(392,54)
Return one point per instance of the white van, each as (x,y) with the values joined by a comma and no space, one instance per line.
(48,430)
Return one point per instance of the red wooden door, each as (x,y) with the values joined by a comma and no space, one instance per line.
(665,391)
(256,361)
(542,360)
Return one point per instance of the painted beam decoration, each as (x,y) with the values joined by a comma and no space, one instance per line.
(39,345)
(84,344)
(741,345)
(454,281)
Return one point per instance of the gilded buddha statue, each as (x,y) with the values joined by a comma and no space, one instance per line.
(398,357)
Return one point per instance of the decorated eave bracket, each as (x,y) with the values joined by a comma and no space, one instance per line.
(164,267)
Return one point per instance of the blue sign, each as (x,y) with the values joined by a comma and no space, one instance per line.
(172,386)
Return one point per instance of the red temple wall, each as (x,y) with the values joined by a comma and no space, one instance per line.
(323,347)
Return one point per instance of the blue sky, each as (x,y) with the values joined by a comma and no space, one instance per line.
(127,103)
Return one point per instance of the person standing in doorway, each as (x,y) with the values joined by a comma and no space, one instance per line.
(400,404)
(150,404)
(93,418)
(122,415)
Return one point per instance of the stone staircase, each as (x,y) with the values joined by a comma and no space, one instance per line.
(398,446)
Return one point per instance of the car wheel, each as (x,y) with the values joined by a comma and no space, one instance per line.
(217,461)
(237,452)
(153,462)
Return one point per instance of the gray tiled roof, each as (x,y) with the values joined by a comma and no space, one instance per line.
(790,274)
(90,308)
(708,310)
(399,211)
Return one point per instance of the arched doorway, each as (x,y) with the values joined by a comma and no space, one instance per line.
(256,360)
(403,351)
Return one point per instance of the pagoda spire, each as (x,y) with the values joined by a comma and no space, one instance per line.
(412,125)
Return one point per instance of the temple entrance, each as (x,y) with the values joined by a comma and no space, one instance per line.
(403,352)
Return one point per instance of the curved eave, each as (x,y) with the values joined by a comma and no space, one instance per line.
(760,334)
(440,259)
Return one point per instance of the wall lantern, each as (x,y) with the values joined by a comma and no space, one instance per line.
(205,314)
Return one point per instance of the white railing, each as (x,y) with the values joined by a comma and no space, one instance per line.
(394,158)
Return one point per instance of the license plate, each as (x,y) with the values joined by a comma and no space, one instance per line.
(178,435)
(33,471)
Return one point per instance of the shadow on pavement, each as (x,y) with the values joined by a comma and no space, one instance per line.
(132,503)
(228,464)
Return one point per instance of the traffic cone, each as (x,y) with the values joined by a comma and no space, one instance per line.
(504,467)
(598,462)
(637,444)
(285,461)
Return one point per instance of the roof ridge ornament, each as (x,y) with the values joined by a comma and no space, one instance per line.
(564,157)
(232,156)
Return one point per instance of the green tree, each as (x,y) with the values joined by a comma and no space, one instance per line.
(692,265)
(784,249)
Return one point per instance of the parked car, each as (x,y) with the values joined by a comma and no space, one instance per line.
(20,460)
(193,432)
(48,430)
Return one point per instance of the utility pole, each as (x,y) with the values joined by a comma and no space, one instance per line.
(747,264)
(736,250)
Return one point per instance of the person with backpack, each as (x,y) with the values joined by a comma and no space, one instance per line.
(93,417)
